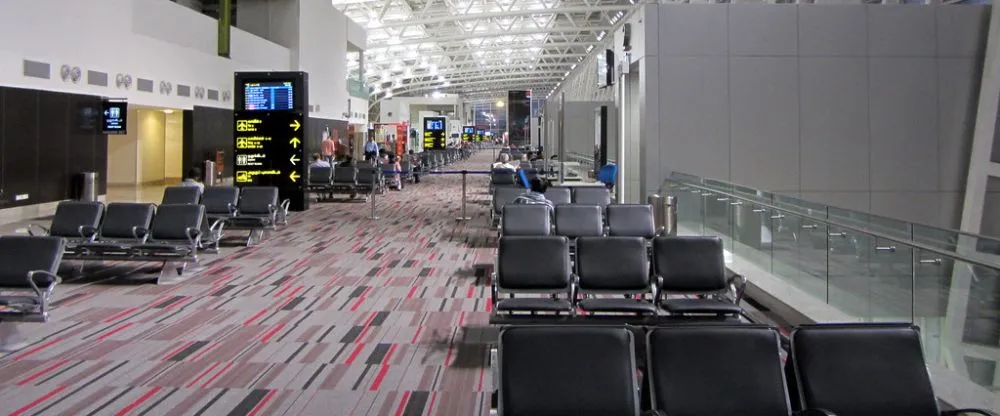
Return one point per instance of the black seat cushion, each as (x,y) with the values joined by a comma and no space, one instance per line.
(20,254)
(579,371)
(258,200)
(534,304)
(690,264)
(123,218)
(617,305)
(172,221)
(579,221)
(526,219)
(700,306)
(181,195)
(718,370)
(612,264)
(559,195)
(592,195)
(634,220)
(72,215)
(219,199)
(863,370)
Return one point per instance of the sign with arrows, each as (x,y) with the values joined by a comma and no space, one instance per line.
(269,135)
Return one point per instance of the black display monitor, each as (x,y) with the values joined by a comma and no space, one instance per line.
(268,95)
(434,124)
(469,130)
(114,117)
(434,133)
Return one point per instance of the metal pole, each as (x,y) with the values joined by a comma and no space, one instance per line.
(464,217)
(374,191)
(622,119)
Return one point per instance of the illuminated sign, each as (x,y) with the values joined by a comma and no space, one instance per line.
(269,141)
(114,117)
(468,133)
(435,137)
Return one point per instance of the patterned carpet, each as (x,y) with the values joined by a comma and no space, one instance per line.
(334,314)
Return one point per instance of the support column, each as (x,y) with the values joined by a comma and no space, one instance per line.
(225,22)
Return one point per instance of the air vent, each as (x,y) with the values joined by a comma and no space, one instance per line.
(37,69)
(144,85)
(183,90)
(98,79)
(213,95)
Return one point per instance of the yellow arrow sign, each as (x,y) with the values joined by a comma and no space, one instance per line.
(294,160)
(295,125)
(294,142)
(294,176)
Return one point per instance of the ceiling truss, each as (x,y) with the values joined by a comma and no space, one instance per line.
(477,48)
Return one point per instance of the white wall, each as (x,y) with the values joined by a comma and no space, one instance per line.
(322,51)
(173,145)
(152,39)
(123,153)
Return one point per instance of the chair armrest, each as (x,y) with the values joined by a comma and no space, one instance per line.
(192,235)
(140,233)
(738,283)
(87,231)
(45,279)
(232,208)
(960,412)
(494,291)
(31,227)
(814,412)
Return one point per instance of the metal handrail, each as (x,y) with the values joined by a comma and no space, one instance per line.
(958,233)
(876,234)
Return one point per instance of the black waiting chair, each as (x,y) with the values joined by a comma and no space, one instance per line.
(345,178)
(125,224)
(76,221)
(614,266)
(320,181)
(28,267)
(502,178)
(863,369)
(220,201)
(533,265)
(181,195)
(501,197)
(559,195)
(718,370)
(695,265)
(526,219)
(174,235)
(592,195)
(567,370)
(258,210)
(631,220)
(575,220)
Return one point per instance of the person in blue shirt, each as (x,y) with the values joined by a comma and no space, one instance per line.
(371,150)
(608,174)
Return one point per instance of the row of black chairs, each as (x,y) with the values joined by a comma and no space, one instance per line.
(558,195)
(28,276)
(250,208)
(692,267)
(127,231)
(436,159)
(578,220)
(718,370)
(361,178)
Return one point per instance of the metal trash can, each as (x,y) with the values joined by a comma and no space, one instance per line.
(209,173)
(87,186)
(659,212)
(670,215)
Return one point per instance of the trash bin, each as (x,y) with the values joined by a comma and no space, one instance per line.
(670,215)
(209,173)
(659,212)
(86,186)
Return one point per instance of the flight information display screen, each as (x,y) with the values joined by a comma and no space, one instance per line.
(269,96)
(434,134)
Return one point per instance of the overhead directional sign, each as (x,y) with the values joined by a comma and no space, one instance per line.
(269,142)
(435,135)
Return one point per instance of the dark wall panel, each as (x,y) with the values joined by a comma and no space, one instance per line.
(314,132)
(206,130)
(46,138)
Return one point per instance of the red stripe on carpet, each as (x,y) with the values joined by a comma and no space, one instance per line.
(263,403)
(402,403)
(38,401)
(44,371)
(267,336)
(202,375)
(255,317)
(138,401)
(413,291)
(354,354)
(115,331)
(416,336)
(217,375)
(37,349)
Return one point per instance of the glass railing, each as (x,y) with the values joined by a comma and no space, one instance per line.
(835,265)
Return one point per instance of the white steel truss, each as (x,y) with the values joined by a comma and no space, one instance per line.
(477,47)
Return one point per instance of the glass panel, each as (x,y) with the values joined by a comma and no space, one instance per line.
(849,282)
(800,254)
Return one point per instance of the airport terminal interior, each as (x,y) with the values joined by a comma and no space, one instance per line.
(499,207)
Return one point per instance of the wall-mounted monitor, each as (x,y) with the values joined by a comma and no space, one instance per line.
(268,95)
(434,124)
(114,117)
(468,130)
(606,69)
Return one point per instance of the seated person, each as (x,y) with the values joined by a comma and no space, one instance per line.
(394,178)
(318,161)
(194,178)
(504,163)
(536,192)
(415,164)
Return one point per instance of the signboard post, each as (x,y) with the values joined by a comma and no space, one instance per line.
(269,140)
(435,133)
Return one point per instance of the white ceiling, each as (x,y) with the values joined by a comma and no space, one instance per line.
(478,48)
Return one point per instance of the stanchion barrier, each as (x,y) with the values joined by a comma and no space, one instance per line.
(464,173)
